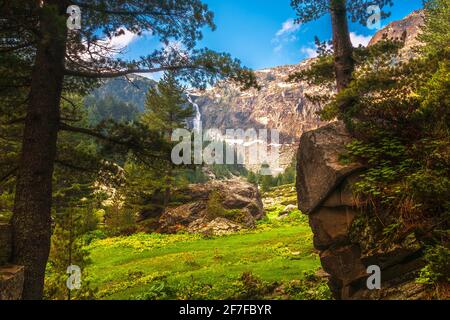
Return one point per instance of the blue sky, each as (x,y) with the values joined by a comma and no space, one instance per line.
(252,31)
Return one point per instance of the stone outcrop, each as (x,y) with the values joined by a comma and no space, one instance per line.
(11,282)
(324,189)
(240,200)
(11,276)
(217,226)
(408,27)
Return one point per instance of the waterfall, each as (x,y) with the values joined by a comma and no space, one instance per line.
(198,116)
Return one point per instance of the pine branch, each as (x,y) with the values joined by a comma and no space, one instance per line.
(114,74)
(92,133)
(9,174)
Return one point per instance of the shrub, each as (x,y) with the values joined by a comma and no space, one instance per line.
(438,266)
(214,205)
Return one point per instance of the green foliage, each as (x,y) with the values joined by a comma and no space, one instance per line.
(196,175)
(309,10)
(119,220)
(261,262)
(110,108)
(226,171)
(435,31)
(6,205)
(399,114)
(67,248)
(214,205)
(158,290)
(250,287)
(198,267)
(266,182)
(437,269)
(309,287)
(125,91)
(166,106)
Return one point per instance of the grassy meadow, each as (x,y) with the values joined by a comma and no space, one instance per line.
(275,260)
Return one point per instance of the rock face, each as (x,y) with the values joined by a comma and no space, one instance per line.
(11,276)
(282,105)
(324,189)
(278,105)
(321,167)
(408,26)
(240,200)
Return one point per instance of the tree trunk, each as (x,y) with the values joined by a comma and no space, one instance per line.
(31,215)
(342,45)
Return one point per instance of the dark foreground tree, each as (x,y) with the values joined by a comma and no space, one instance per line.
(57,60)
(339,10)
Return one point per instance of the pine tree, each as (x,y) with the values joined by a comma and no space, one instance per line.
(214,206)
(308,10)
(167,109)
(67,249)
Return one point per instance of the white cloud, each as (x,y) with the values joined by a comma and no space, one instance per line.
(359,39)
(356,39)
(285,34)
(121,41)
(309,52)
(107,47)
(289,26)
(156,76)
(175,47)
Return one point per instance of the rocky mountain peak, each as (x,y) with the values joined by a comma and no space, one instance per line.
(409,26)
(279,104)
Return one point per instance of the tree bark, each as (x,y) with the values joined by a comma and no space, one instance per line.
(33,199)
(342,45)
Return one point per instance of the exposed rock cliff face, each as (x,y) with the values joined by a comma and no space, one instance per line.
(282,105)
(409,27)
(278,105)
(324,188)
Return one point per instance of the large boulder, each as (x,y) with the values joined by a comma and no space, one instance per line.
(319,166)
(240,200)
(347,249)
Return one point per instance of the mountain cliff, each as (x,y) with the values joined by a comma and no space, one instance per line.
(278,105)
(282,105)
(408,27)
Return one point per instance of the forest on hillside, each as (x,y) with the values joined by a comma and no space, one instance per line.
(102,195)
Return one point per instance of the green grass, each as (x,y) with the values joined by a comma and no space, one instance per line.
(192,266)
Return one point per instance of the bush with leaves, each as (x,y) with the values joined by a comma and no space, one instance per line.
(214,205)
